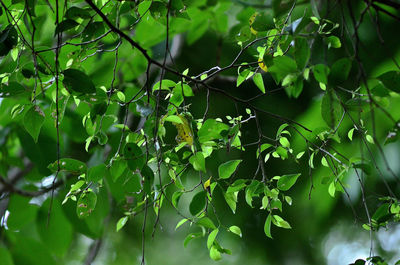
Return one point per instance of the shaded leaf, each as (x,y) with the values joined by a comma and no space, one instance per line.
(33,121)
(77,81)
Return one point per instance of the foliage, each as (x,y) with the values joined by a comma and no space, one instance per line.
(91,92)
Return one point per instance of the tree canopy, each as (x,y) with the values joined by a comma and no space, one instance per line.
(193,131)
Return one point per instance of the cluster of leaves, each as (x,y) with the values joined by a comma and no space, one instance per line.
(58,91)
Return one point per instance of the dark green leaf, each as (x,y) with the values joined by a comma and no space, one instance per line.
(8,40)
(97,173)
(340,71)
(263,22)
(198,203)
(134,156)
(76,12)
(11,89)
(331,109)
(57,232)
(77,81)
(301,52)
(391,80)
(65,25)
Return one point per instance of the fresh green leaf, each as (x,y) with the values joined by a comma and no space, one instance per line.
(285,182)
(121,223)
(198,162)
(211,238)
(226,169)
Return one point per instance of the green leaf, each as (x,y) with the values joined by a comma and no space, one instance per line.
(258,80)
(350,134)
(244,34)
(165,85)
(198,203)
(331,109)
(134,156)
(391,80)
(282,66)
(33,121)
(284,142)
(70,165)
(117,168)
(211,238)
(97,173)
(215,254)
(147,178)
(206,222)
(181,222)
(333,41)
(76,12)
(175,198)
(231,200)
(198,162)
(382,214)
(77,81)
(65,25)
(238,185)
(57,232)
(190,237)
(278,221)
(174,119)
(18,218)
(285,182)
(11,89)
(267,226)
(366,168)
(86,203)
(302,52)
(340,71)
(8,40)
(121,222)
(211,130)
(321,72)
(263,22)
(250,192)
(369,139)
(236,230)
(5,257)
(226,169)
(243,76)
